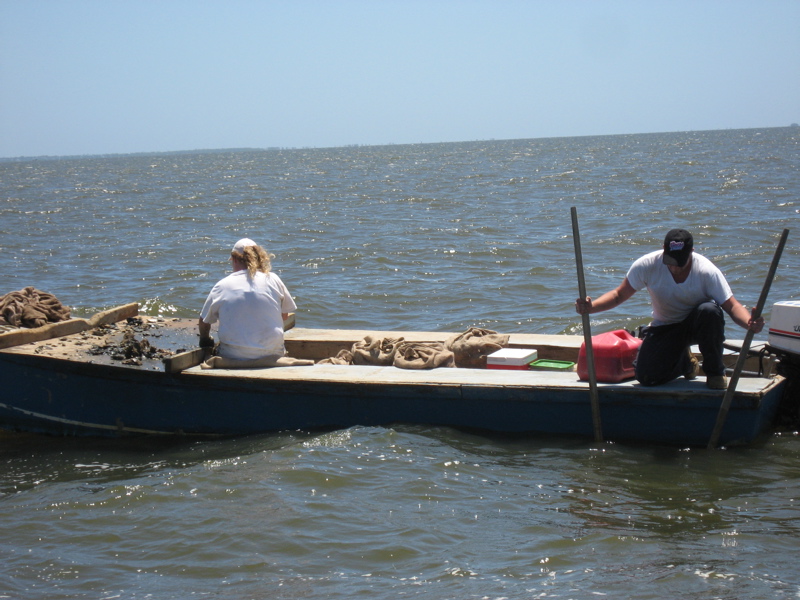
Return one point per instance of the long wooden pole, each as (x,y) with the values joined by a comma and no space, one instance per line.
(587,331)
(748,338)
(17,337)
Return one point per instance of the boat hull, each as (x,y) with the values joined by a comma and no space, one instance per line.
(63,397)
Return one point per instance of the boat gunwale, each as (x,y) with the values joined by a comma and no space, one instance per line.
(470,380)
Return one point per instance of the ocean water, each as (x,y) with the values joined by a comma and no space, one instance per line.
(431,237)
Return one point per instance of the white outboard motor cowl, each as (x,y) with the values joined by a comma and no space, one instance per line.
(784,326)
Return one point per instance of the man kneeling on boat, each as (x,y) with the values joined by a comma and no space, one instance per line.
(688,293)
(250,305)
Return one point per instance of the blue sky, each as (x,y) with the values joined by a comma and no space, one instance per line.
(106,76)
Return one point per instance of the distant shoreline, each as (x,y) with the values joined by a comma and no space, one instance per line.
(300,148)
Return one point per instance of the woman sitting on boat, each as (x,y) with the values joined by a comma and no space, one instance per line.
(250,305)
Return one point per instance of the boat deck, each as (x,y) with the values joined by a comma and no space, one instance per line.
(176,335)
(470,377)
(318,343)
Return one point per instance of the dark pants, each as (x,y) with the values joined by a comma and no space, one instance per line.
(663,356)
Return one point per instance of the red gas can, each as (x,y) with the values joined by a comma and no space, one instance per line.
(614,353)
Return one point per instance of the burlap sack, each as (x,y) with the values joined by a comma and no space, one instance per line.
(471,347)
(421,355)
(375,351)
(31,308)
(344,357)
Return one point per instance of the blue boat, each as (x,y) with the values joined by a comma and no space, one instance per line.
(64,386)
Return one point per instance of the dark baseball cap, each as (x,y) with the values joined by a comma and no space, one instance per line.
(677,247)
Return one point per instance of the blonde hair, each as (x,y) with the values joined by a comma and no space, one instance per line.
(255,258)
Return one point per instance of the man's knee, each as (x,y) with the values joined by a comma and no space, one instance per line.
(709,318)
(709,309)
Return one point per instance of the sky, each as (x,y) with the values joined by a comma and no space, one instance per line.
(122,76)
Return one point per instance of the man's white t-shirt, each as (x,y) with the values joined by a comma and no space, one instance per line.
(672,302)
(249,314)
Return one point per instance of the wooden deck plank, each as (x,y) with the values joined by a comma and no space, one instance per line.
(364,374)
(22,336)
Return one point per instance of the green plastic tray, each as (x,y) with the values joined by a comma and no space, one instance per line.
(544,364)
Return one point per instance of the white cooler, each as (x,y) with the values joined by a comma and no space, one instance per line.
(784,326)
(511,358)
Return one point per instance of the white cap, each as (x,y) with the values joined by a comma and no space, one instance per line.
(242,244)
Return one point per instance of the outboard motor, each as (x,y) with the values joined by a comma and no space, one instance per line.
(784,342)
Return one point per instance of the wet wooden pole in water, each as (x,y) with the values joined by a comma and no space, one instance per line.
(587,331)
(737,371)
